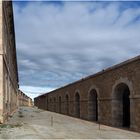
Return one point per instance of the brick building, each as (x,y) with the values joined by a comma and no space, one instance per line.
(8,62)
(111,97)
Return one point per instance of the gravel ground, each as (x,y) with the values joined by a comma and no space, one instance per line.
(33,123)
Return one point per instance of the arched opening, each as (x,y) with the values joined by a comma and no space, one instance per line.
(50,105)
(77,105)
(121,106)
(54,105)
(59,104)
(93,106)
(67,104)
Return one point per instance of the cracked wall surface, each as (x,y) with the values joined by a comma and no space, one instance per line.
(8,62)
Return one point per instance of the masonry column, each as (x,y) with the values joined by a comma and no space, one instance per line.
(135,114)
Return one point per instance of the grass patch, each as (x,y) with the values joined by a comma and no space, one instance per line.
(2,126)
(6,126)
(17,125)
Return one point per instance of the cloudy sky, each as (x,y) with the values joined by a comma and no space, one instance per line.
(61,42)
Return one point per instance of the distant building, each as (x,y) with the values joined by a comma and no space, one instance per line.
(110,97)
(24,100)
(30,102)
(8,62)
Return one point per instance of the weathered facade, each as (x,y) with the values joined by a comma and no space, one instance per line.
(111,97)
(24,100)
(8,62)
(30,102)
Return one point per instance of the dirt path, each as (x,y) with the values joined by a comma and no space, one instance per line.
(35,123)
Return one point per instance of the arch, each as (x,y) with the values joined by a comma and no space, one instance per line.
(121,106)
(50,106)
(59,104)
(94,87)
(93,105)
(67,104)
(54,105)
(77,105)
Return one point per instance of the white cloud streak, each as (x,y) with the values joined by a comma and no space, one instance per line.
(58,44)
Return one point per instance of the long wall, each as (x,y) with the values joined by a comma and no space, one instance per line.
(8,62)
(111,97)
(24,100)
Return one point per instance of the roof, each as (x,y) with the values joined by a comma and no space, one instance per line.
(99,73)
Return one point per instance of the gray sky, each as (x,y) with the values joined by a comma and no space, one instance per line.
(61,42)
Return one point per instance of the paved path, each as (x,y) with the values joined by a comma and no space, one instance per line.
(35,123)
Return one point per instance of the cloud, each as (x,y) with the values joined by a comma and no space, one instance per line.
(35,91)
(58,43)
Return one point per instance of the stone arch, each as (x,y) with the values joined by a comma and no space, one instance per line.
(54,105)
(59,104)
(96,103)
(77,104)
(50,108)
(93,105)
(125,81)
(67,104)
(95,88)
(121,115)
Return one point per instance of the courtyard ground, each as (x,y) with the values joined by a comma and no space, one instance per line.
(34,123)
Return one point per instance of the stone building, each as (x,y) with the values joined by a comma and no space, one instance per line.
(110,97)
(24,100)
(8,62)
(30,102)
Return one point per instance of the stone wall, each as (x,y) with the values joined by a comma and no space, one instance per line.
(24,100)
(8,62)
(110,97)
(1,27)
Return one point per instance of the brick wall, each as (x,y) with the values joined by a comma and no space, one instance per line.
(111,97)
